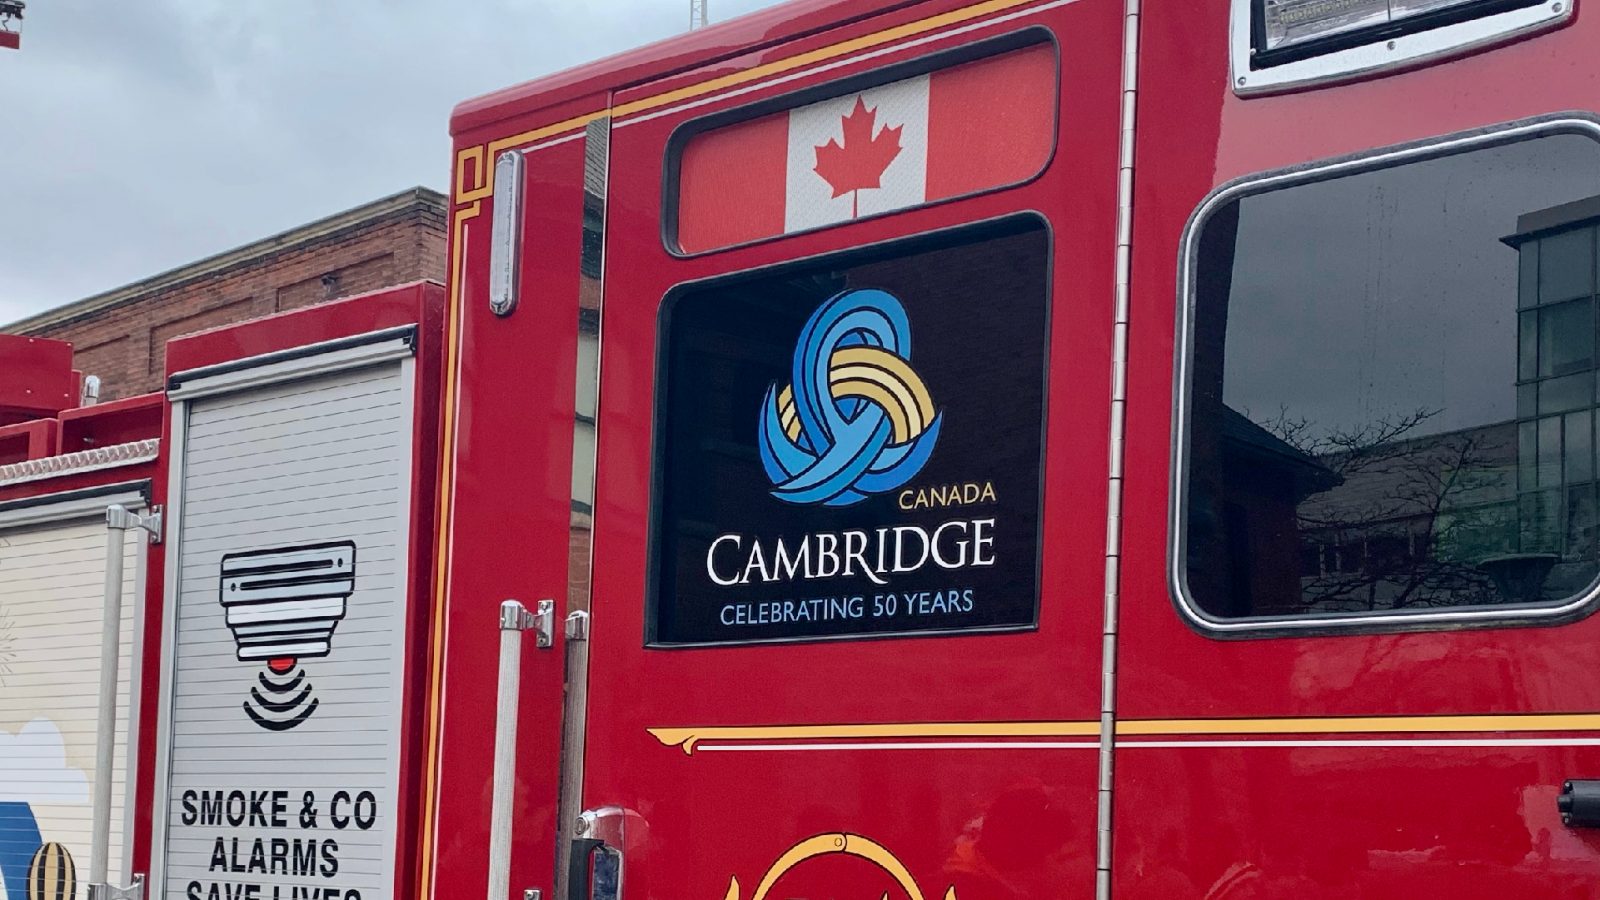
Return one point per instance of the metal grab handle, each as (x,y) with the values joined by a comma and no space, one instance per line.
(118,522)
(514,620)
(594,870)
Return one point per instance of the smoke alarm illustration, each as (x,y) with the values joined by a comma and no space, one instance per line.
(282,605)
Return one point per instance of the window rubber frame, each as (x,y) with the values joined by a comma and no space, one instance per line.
(1571,609)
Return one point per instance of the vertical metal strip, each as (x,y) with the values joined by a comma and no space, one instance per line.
(1114,480)
(585,440)
(514,619)
(105,736)
(161,799)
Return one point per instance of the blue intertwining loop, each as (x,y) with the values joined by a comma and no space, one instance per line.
(855,419)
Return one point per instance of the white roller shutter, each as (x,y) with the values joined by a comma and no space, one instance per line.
(52,586)
(283,728)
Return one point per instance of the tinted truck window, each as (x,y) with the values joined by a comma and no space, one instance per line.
(1391,389)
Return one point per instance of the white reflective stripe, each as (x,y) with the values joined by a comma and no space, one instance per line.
(1380,742)
(1334,743)
(913,745)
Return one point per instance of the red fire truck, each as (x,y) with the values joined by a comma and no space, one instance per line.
(1230,530)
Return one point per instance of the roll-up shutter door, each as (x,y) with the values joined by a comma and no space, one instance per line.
(52,590)
(288,647)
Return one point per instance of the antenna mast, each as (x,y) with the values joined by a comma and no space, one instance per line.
(697,14)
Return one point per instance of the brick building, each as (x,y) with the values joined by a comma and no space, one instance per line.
(121,335)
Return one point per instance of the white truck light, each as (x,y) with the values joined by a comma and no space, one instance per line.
(1289,23)
(1278,45)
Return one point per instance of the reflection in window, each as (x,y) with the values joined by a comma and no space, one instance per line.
(1393,394)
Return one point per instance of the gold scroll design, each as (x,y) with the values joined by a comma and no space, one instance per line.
(837,842)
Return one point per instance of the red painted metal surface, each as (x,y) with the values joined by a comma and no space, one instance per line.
(510,509)
(420,304)
(1331,820)
(38,380)
(34,439)
(1015,822)
(1313,815)
(116,422)
(1017,825)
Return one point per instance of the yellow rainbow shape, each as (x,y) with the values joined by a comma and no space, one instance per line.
(836,842)
(877,376)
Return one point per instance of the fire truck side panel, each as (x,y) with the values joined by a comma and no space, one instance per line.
(1327,764)
(509,497)
(896,764)
(269,558)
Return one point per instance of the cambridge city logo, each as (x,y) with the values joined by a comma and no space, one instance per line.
(855,419)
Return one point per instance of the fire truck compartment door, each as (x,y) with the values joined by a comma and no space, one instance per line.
(52,589)
(285,648)
(850,509)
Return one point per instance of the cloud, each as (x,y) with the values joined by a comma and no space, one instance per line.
(33,767)
(135,137)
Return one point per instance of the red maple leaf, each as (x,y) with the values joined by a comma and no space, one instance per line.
(859,162)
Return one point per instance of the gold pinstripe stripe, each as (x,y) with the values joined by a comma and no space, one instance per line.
(687,738)
(443,516)
(481,154)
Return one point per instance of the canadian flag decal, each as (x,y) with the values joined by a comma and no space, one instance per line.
(952,132)
(858,163)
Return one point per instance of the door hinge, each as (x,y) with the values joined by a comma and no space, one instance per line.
(577,628)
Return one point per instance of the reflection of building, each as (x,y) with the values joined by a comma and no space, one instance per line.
(1556,399)
(1411,521)
(1268,480)
(1457,517)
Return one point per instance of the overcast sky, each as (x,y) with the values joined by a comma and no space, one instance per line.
(139,136)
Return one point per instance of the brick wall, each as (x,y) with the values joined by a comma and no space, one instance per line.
(121,335)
